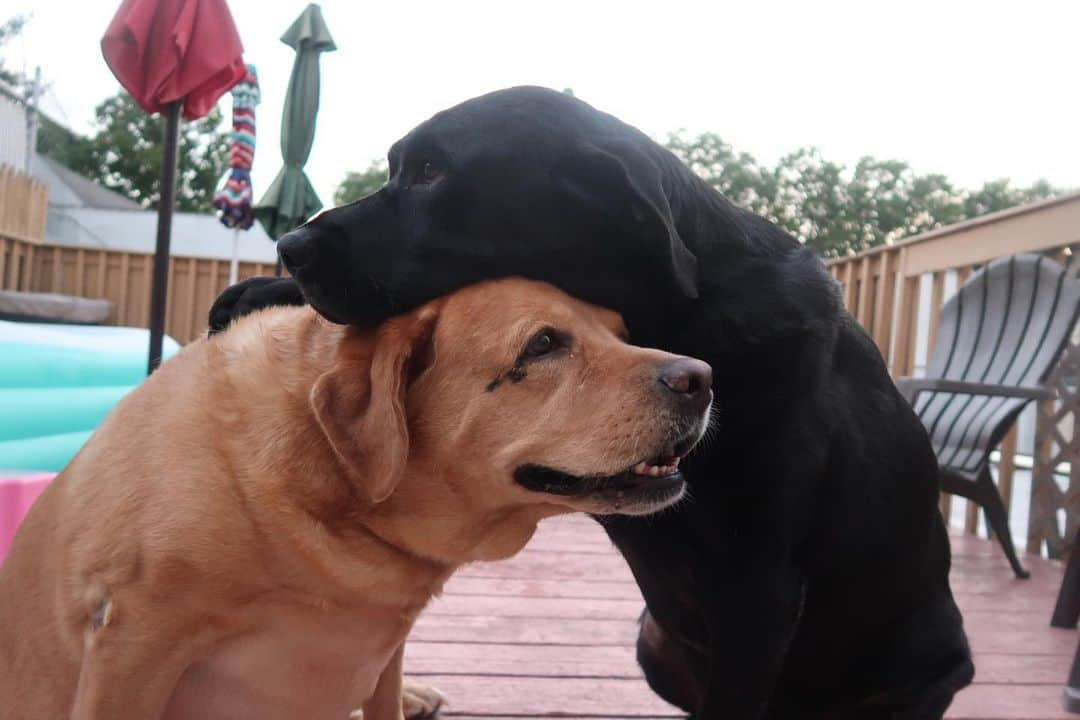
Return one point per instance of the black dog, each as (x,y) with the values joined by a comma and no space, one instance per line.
(808,576)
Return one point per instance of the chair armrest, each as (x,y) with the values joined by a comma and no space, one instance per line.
(910,388)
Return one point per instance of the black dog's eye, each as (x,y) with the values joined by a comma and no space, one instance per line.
(429,172)
(543,343)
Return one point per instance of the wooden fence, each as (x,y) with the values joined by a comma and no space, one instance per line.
(30,264)
(883,289)
(24,203)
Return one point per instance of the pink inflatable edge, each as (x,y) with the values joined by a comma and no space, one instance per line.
(18,490)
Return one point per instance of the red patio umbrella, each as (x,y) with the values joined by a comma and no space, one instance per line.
(172,55)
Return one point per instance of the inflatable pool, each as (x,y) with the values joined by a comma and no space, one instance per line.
(57,382)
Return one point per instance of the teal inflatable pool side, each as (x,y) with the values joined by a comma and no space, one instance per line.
(48,452)
(58,382)
(43,366)
(55,410)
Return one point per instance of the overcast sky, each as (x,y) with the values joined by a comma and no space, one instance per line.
(975,90)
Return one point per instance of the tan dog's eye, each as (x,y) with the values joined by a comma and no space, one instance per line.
(543,343)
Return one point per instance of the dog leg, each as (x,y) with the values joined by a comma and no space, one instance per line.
(671,669)
(420,701)
(417,701)
(386,702)
(748,642)
(131,663)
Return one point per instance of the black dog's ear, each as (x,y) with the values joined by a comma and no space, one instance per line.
(621,184)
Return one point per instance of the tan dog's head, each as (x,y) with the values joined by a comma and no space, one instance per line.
(515,393)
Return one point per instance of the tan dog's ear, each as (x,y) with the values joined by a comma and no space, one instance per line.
(360,403)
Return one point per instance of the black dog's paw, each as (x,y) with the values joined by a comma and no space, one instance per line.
(250,295)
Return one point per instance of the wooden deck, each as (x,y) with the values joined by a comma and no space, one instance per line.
(550,633)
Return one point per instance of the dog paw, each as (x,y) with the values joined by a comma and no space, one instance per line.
(420,701)
(249,295)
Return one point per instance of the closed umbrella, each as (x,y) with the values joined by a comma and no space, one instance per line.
(290,199)
(172,55)
(234,200)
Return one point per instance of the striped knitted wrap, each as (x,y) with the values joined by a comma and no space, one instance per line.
(234,200)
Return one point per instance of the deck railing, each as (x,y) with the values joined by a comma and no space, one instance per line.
(896,293)
(29,263)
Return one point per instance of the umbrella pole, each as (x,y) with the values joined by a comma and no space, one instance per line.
(160,288)
(234,265)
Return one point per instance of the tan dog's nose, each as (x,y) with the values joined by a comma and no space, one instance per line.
(689,379)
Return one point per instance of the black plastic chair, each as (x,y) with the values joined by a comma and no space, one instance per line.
(997,340)
(1066,615)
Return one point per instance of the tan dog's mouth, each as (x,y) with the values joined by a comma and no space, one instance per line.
(624,485)
(643,487)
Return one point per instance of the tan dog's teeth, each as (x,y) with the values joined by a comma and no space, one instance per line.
(644,468)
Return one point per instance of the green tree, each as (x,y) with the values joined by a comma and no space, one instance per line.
(68,148)
(9,30)
(125,154)
(878,209)
(361,184)
(738,176)
(1000,194)
(810,201)
(933,202)
(840,212)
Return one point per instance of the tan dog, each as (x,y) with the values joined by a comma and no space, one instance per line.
(252,532)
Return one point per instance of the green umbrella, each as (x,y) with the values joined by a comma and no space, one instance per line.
(290,199)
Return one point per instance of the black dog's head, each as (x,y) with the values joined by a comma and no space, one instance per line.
(525,181)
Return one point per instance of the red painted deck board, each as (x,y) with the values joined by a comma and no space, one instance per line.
(550,633)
